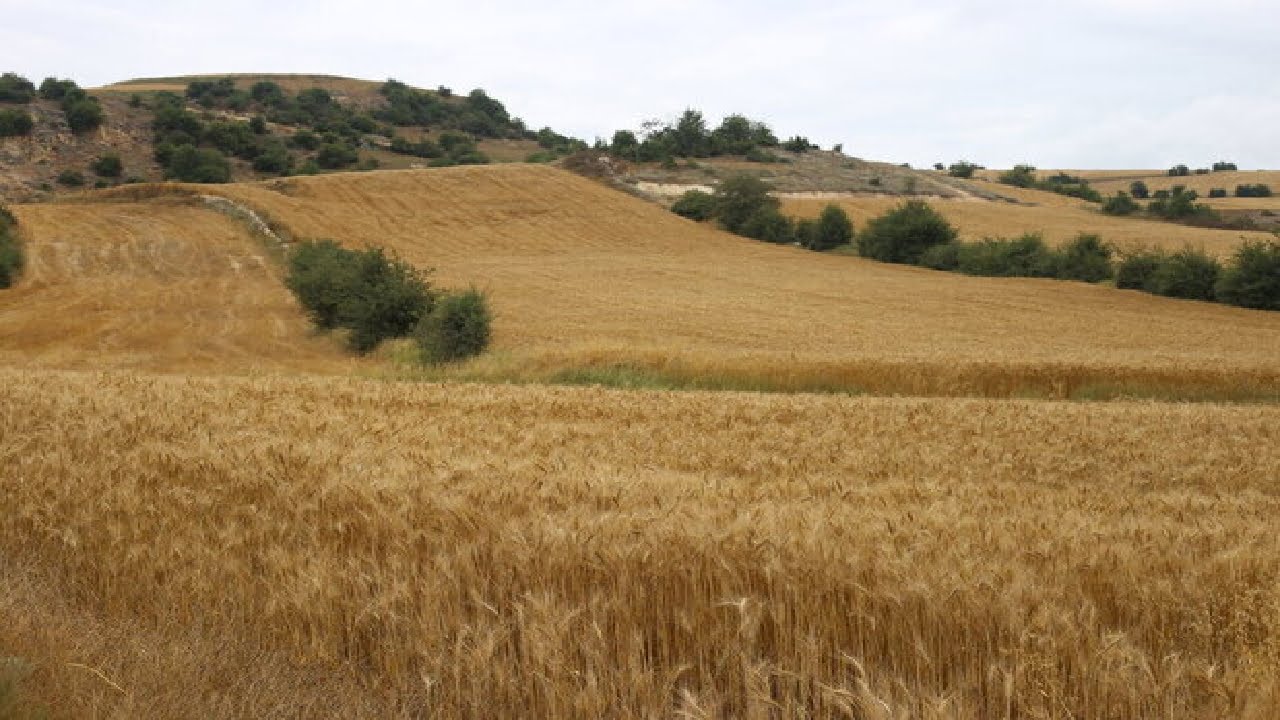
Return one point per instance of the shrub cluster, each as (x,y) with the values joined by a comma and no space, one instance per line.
(742,205)
(83,112)
(108,166)
(1179,204)
(963,169)
(376,297)
(1086,258)
(1024,176)
(1251,279)
(11,257)
(1224,166)
(695,205)
(373,296)
(690,137)
(1120,204)
(476,114)
(1253,191)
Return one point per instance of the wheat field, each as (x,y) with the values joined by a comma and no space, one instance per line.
(582,275)
(187,547)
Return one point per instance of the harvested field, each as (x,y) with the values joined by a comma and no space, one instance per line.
(584,276)
(178,547)
(161,285)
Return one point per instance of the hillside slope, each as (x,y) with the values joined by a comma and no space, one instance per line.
(582,275)
(158,286)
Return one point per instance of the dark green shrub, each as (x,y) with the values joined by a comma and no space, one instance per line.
(739,198)
(83,114)
(1139,190)
(1179,171)
(1025,256)
(1137,268)
(833,229)
(798,144)
(456,328)
(232,138)
(1120,204)
(54,89)
(273,157)
(1188,273)
(364,291)
(904,234)
(769,225)
(305,140)
(197,165)
(1218,192)
(1023,176)
(108,166)
(695,205)
(11,257)
(71,178)
(135,101)
(1224,166)
(963,169)
(1179,204)
(334,156)
(1253,191)
(1252,279)
(942,257)
(1086,258)
(758,155)
(15,123)
(16,89)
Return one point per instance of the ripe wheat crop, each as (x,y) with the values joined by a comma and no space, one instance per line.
(325,547)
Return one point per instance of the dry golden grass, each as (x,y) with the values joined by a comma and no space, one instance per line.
(179,547)
(161,285)
(581,275)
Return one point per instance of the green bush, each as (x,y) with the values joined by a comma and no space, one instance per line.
(833,229)
(1026,256)
(1179,171)
(456,328)
(1218,192)
(1253,278)
(1086,258)
(197,165)
(1139,190)
(364,291)
(11,257)
(1137,268)
(1023,176)
(695,205)
(71,178)
(83,114)
(904,234)
(962,169)
(942,257)
(109,165)
(273,157)
(1188,273)
(16,89)
(1224,166)
(740,198)
(1179,204)
(15,123)
(1253,191)
(769,225)
(1120,204)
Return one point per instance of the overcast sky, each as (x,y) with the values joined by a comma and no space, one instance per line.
(1074,84)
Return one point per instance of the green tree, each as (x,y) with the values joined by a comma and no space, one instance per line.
(1023,176)
(1120,204)
(197,165)
(1085,258)
(740,197)
(1139,190)
(962,169)
(1188,273)
(903,234)
(690,135)
(83,114)
(695,205)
